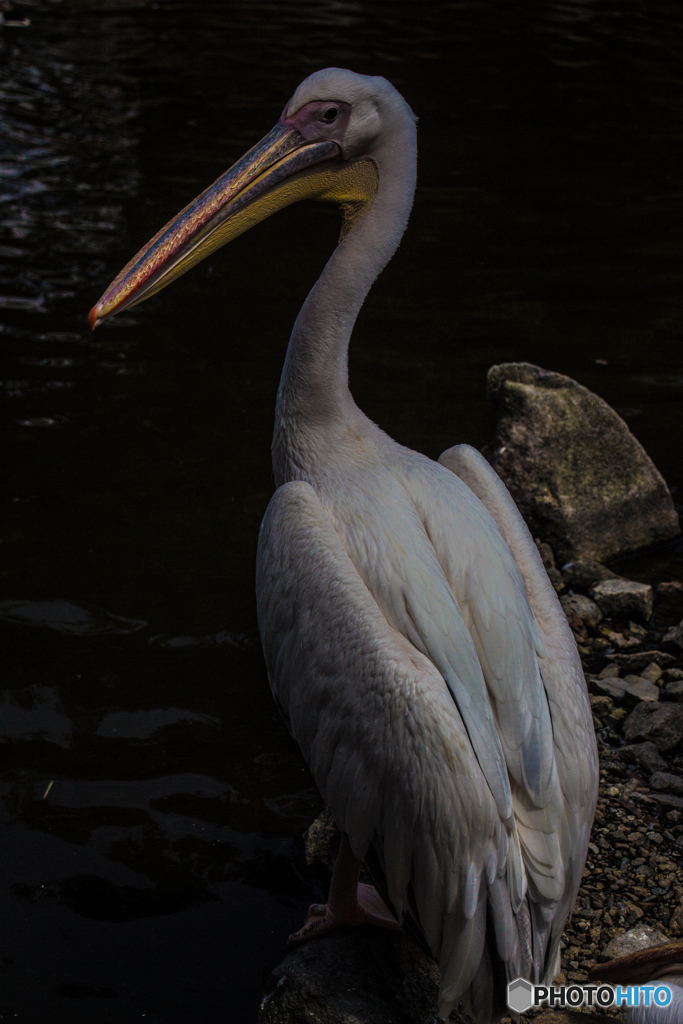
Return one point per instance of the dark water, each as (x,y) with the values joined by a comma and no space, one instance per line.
(152,800)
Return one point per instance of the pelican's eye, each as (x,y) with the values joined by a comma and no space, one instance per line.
(330,114)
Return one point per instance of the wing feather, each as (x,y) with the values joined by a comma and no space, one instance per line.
(384,740)
(547,730)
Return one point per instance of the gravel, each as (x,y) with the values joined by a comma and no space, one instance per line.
(634,871)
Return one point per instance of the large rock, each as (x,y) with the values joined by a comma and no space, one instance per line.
(354,976)
(578,475)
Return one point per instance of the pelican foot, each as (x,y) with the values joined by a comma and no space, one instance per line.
(367,908)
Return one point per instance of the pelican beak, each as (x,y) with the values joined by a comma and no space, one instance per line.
(224,210)
(281,169)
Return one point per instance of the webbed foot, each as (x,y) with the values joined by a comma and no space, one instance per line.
(366,906)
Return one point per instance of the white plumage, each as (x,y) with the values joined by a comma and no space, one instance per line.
(413,640)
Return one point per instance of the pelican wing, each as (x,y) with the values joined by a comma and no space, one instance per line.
(554,831)
(387,747)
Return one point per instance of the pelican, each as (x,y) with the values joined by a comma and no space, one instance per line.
(412,638)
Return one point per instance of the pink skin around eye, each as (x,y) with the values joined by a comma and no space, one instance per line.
(310,123)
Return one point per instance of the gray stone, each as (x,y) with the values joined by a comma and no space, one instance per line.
(652,672)
(672,674)
(667,800)
(643,936)
(673,639)
(359,975)
(578,475)
(673,691)
(666,782)
(623,599)
(636,631)
(661,724)
(638,689)
(582,573)
(645,755)
(637,662)
(583,608)
(622,641)
(670,588)
(609,687)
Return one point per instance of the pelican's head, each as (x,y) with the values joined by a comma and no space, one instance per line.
(327,145)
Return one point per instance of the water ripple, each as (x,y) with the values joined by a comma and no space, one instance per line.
(65,617)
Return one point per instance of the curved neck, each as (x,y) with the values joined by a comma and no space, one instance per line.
(314,387)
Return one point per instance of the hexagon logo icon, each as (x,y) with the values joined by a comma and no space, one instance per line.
(520,995)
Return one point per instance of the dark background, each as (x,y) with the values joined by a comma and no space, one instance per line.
(160,874)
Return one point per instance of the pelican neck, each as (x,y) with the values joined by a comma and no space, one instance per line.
(314,395)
